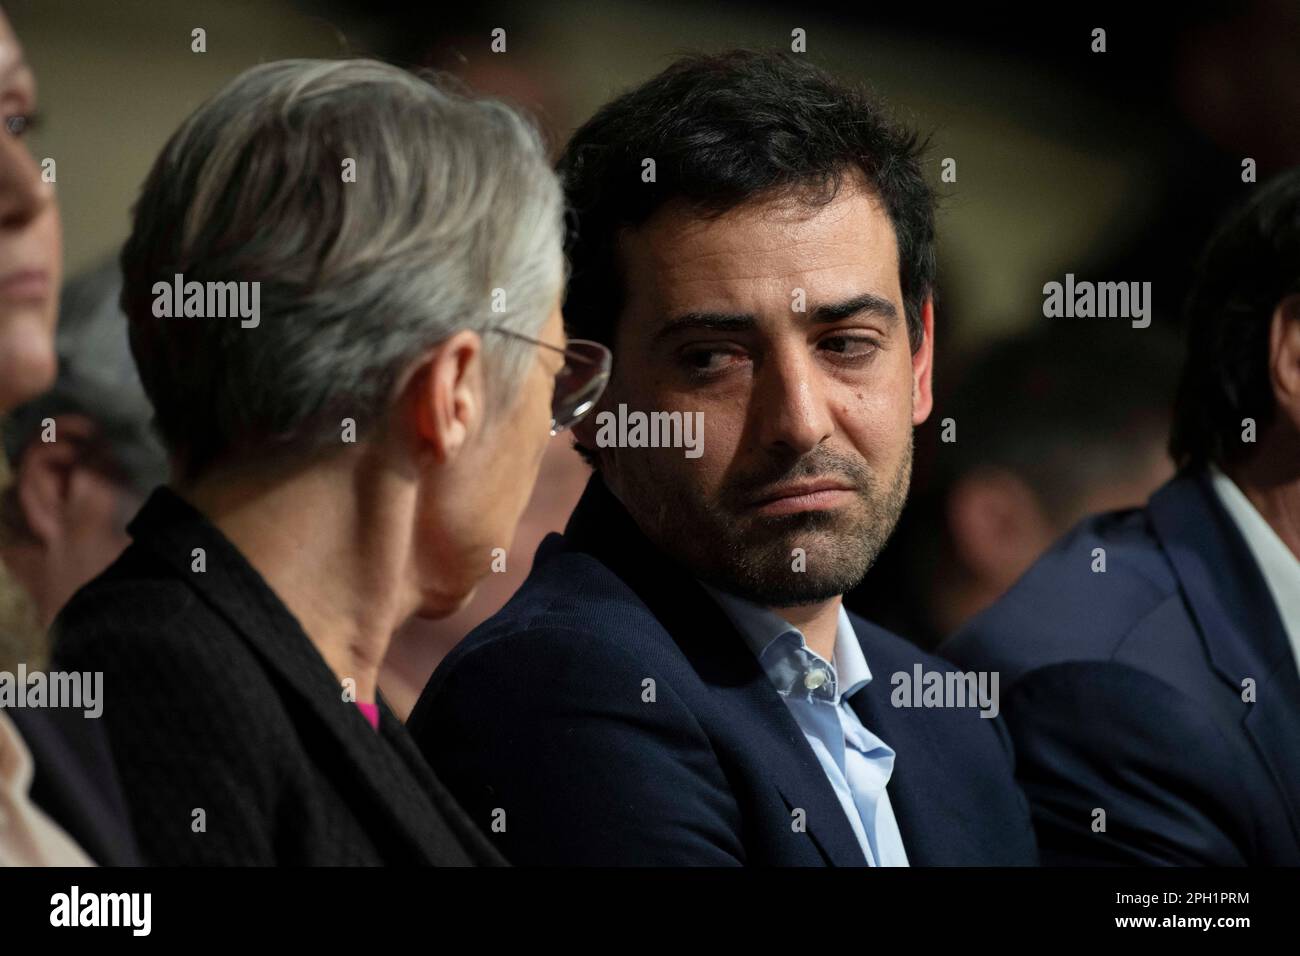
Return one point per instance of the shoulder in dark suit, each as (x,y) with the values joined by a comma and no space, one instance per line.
(1123,690)
(231,734)
(611,714)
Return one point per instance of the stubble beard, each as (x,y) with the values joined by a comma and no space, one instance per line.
(753,556)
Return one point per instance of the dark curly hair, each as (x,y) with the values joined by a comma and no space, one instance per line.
(723,130)
(1250,265)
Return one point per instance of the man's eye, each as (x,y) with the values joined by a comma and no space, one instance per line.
(705,361)
(849,347)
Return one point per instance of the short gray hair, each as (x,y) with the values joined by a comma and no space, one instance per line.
(454,212)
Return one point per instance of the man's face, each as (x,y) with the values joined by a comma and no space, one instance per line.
(807,415)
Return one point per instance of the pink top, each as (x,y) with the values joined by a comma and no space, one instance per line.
(370,712)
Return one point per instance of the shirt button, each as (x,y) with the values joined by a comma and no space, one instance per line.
(814,679)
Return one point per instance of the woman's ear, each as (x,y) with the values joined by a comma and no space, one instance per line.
(449,394)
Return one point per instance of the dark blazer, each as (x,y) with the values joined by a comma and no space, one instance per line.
(215,700)
(1123,690)
(75,783)
(541,713)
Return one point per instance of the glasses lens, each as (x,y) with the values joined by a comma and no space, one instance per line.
(579,384)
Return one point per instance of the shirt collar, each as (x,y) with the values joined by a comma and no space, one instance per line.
(1278,565)
(793,668)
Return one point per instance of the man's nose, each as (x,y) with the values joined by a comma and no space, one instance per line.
(791,410)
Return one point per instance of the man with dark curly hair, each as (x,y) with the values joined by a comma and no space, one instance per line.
(678,682)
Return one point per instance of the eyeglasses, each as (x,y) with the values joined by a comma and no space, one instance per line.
(579,384)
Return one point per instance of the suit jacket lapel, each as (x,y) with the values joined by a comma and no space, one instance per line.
(171,528)
(1238,620)
(905,795)
(602,527)
(935,827)
(790,763)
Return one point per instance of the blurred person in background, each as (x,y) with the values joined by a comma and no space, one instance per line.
(82,455)
(351,457)
(59,805)
(1150,661)
(1040,430)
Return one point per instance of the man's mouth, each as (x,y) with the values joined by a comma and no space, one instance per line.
(796,496)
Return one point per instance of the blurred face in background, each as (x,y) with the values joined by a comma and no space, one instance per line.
(30,239)
(66,515)
(807,415)
(999,525)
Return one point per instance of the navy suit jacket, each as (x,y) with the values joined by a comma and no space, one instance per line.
(75,782)
(540,723)
(1124,690)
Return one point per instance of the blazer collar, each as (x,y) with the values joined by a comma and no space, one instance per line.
(938,822)
(172,530)
(1238,621)
(601,526)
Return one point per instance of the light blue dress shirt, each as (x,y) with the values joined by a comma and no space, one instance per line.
(857,763)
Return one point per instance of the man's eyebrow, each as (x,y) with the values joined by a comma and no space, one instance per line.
(706,321)
(867,302)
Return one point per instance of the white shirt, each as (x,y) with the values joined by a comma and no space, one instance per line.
(27,836)
(1280,567)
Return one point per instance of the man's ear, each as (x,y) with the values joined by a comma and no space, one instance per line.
(43,478)
(923,366)
(584,433)
(586,429)
(1284,358)
(449,394)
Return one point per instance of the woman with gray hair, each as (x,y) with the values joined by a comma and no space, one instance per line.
(343,288)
